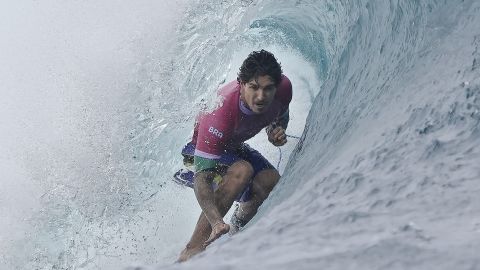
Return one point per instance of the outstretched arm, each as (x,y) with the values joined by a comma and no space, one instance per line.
(205,196)
(211,208)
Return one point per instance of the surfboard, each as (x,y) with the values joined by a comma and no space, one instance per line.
(184,177)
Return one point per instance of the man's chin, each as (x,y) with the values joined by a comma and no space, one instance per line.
(259,109)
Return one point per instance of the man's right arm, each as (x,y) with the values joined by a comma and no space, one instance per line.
(203,181)
(213,132)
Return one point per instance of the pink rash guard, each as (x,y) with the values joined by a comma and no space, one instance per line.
(227,127)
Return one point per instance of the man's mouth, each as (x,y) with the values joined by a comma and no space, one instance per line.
(260,105)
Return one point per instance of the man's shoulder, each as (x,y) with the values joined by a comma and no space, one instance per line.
(229,95)
(229,89)
(226,104)
(284,91)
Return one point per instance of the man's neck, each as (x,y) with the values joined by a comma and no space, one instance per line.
(244,108)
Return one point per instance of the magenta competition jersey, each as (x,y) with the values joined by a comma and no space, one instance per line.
(228,126)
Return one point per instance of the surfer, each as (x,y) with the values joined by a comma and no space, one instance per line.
(227,169)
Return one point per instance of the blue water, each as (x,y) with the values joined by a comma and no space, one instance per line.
(385,175)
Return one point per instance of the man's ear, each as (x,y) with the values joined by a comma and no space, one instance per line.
(242,89)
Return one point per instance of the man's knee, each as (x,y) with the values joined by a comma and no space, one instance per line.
(240,173)
(264,183)
(268,178)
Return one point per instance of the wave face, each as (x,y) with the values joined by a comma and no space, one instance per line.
(386,100)
(386,173)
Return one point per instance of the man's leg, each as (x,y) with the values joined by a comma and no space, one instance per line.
(234,181)
(262,185)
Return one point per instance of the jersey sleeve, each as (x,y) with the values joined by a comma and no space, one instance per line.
(284,93)
(285,97)
(214,131)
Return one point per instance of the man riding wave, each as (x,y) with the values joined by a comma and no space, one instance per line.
(227,169)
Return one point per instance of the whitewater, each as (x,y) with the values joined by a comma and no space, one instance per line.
(97,99)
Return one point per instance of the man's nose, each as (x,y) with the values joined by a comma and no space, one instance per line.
(261,95)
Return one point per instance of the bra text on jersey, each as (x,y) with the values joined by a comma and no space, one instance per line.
(215,132)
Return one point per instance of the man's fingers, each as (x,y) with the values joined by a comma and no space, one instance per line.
(280,136)
(211,239)
(277,130)
(282,142)
(217,231)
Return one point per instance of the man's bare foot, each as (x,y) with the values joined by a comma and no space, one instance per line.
(218,230)
(189,252)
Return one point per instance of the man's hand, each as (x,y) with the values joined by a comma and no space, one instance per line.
(277,136)
(218,229)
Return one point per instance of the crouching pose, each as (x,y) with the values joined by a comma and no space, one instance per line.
(227,169)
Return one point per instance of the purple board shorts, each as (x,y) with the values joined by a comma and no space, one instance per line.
(252,156)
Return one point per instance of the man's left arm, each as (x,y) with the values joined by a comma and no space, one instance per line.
(276,130)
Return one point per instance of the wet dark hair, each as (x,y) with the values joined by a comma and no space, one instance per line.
(260,63)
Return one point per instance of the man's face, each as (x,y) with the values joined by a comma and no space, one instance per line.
(258,94)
